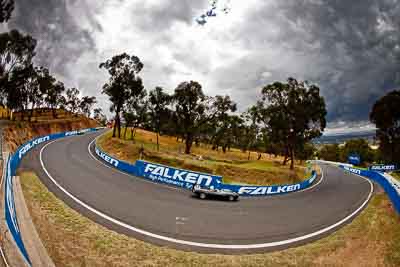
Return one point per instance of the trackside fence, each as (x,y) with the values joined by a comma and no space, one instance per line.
(12,165)
(388,183)
(187,179)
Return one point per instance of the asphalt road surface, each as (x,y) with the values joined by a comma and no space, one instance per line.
(172,217)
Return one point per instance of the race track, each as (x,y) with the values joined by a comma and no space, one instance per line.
(169,216)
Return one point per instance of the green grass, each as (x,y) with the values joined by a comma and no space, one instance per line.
(372,239)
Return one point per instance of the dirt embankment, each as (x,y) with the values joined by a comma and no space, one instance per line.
(17,133)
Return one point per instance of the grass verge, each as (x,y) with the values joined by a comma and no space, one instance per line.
(372,239)
(396,175)
(233,165)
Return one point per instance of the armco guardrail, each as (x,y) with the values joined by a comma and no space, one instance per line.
(12,165)
(388,183)
(186,178)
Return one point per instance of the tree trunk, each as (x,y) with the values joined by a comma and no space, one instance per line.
(286,156)
(259,156)
(188,143)
(248,156)
(158,144)
(292,158)
(114,129)
(54,112)
(31,113)
(134,134)
(116,122)
(126,128)
(119,128)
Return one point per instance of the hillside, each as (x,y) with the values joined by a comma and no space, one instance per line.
(233,165)
(15,133)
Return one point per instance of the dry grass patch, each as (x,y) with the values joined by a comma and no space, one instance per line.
(17,133)
(396,175)
(372,239)
(232,165)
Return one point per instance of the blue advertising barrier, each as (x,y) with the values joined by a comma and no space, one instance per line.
(383,168)
(186,178)
(391,187)
(354,159)
(119,164)
(12,165)
(173,176)
(249,190)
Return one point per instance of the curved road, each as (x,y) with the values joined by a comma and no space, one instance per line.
(148,211)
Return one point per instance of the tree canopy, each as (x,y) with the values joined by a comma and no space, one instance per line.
(293,113)
(192,108)
(158,102)
(6,8)
(124,83)
(385,115)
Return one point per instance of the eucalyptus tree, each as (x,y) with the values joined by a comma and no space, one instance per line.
(385,114)
(73,100)
(16,53)
(158,107)
(54,96)
(6,9)
(223,106)
(123,84)
(86,105)
(193,109)
(294,114)
(99,116)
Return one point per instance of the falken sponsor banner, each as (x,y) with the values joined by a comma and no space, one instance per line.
(186,178)
(390,185)
(249,190)
(351,169)
(383,168)
(107,158)
(176,177)
(12,165)
(119,164)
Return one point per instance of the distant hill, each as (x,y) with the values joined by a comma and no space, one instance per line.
(343,137)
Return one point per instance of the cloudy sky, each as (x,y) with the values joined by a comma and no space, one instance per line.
(351,49)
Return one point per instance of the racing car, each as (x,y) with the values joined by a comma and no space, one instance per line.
(210,192)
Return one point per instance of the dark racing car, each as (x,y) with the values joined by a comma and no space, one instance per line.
(206,192)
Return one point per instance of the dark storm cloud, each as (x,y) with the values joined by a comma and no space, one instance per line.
(155,18)
(56,26)
(353,48)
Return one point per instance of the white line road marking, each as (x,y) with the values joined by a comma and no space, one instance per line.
(197,244)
